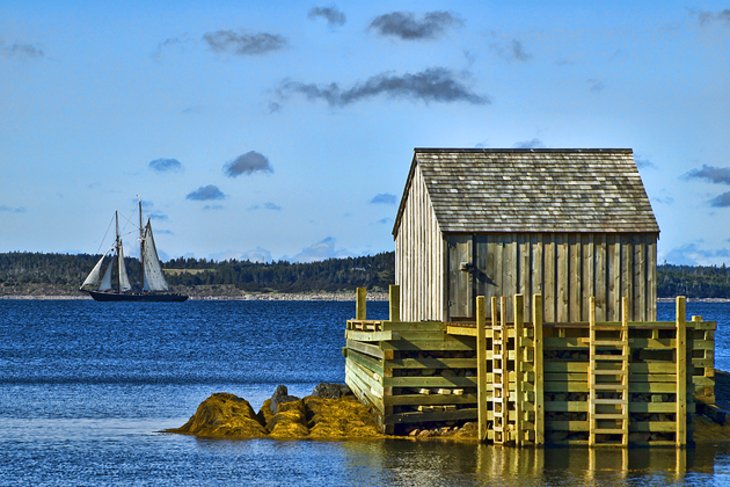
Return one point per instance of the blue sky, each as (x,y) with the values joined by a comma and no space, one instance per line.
(285,129)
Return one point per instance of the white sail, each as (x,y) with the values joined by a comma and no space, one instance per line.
(94,277)
(122,271)
(106,281)
(154,280)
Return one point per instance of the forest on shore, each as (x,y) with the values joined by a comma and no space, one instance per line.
(33,274)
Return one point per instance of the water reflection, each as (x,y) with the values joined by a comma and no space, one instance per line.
(426,463)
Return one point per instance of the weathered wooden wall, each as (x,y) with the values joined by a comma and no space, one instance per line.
(419,256)
(566,268)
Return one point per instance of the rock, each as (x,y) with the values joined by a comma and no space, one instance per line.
(290,421)
(223,415)
(413,432)
(328,390)
(281,395)
(335,419)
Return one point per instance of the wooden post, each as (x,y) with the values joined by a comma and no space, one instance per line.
(394,302)
(681,399)
(518,313)
(591,372)
(360,311)
(626,354)
(482,367)
(539,374)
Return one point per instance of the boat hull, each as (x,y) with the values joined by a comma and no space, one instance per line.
(137,296)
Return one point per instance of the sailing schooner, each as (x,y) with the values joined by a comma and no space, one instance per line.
(114,284)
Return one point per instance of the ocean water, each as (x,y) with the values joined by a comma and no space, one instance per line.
(86,387)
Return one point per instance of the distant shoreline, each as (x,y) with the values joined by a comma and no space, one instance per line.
(250,296)
(280,296)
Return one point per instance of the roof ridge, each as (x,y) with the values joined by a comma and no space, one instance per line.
(587,150)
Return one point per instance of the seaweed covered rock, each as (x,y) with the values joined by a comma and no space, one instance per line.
(284,417)
(332,419)
(329,390)
(223,415)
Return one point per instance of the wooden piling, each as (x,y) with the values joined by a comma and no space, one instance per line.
(539,371)
(360,311)
(394,302)
(482,367)
(518,315)
(681,351)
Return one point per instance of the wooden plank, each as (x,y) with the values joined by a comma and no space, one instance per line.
(418,399)
(635,369)
(549,278)
(510,263)
(563,278)
(433,381)
(417,417)
(525,270)
(360,304)
(481,344)
(433,363)
(567,343)
(575,270)
(640,279)
(394,302)
(366,348)
(367,362)
(634,407)
(467,331)
(627,273)
(652,387)
(493,272)
(371,336)
(613,307)
(586,279)
(539,370)
(536,278)
(600,277)
(652,279)
(681,359)
(518,307)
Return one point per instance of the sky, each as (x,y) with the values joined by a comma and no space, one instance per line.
(285,130)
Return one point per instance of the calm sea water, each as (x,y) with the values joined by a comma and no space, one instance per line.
(85,387)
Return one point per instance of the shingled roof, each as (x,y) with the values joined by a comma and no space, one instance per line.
(533,190)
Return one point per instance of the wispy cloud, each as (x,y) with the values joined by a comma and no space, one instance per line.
(165,165)
(213,207)
(383,199)
(721,201)
(334,16)
(206,193)
(529,144)
(266,206)
(406,26)
(248,163)
(512,51)
(169,43)
(385,221)
(322,250)
(712,174)
(721,16)
(694,254)
(663,200)
(433,84)
(21,50)
(258,254)
(12,209)
(596,85)
(157,215)
(243,43)
(644,163)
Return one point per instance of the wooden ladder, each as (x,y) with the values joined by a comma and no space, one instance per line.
(500,383)
(608,375)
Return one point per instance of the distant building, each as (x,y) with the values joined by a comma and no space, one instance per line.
(566,223)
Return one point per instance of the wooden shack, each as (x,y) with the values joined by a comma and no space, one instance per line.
(567,224)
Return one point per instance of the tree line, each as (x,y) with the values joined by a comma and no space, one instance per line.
(63,273)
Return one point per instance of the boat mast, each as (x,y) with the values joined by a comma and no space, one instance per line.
(141,238)
(117,244)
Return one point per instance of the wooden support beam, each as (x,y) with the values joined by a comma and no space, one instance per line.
(481,367)
(681,402)
(519,322)
(591,371)
(360,311)
(394,302)
(539,370)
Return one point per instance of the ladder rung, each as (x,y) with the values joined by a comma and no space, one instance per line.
(609,431)
(609,343)
(599,416)
(609,357)
(609,372)
(610,401)
(610,387)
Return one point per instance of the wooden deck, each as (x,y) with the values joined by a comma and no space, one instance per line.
(530,382)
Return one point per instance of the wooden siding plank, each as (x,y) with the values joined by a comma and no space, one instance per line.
(587,279)
(525,271)
(600,276)
(651,278)
(509,266)
(575,275)
(627,272)
(549,277)
(563,278)
(640,286)
(613,267)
